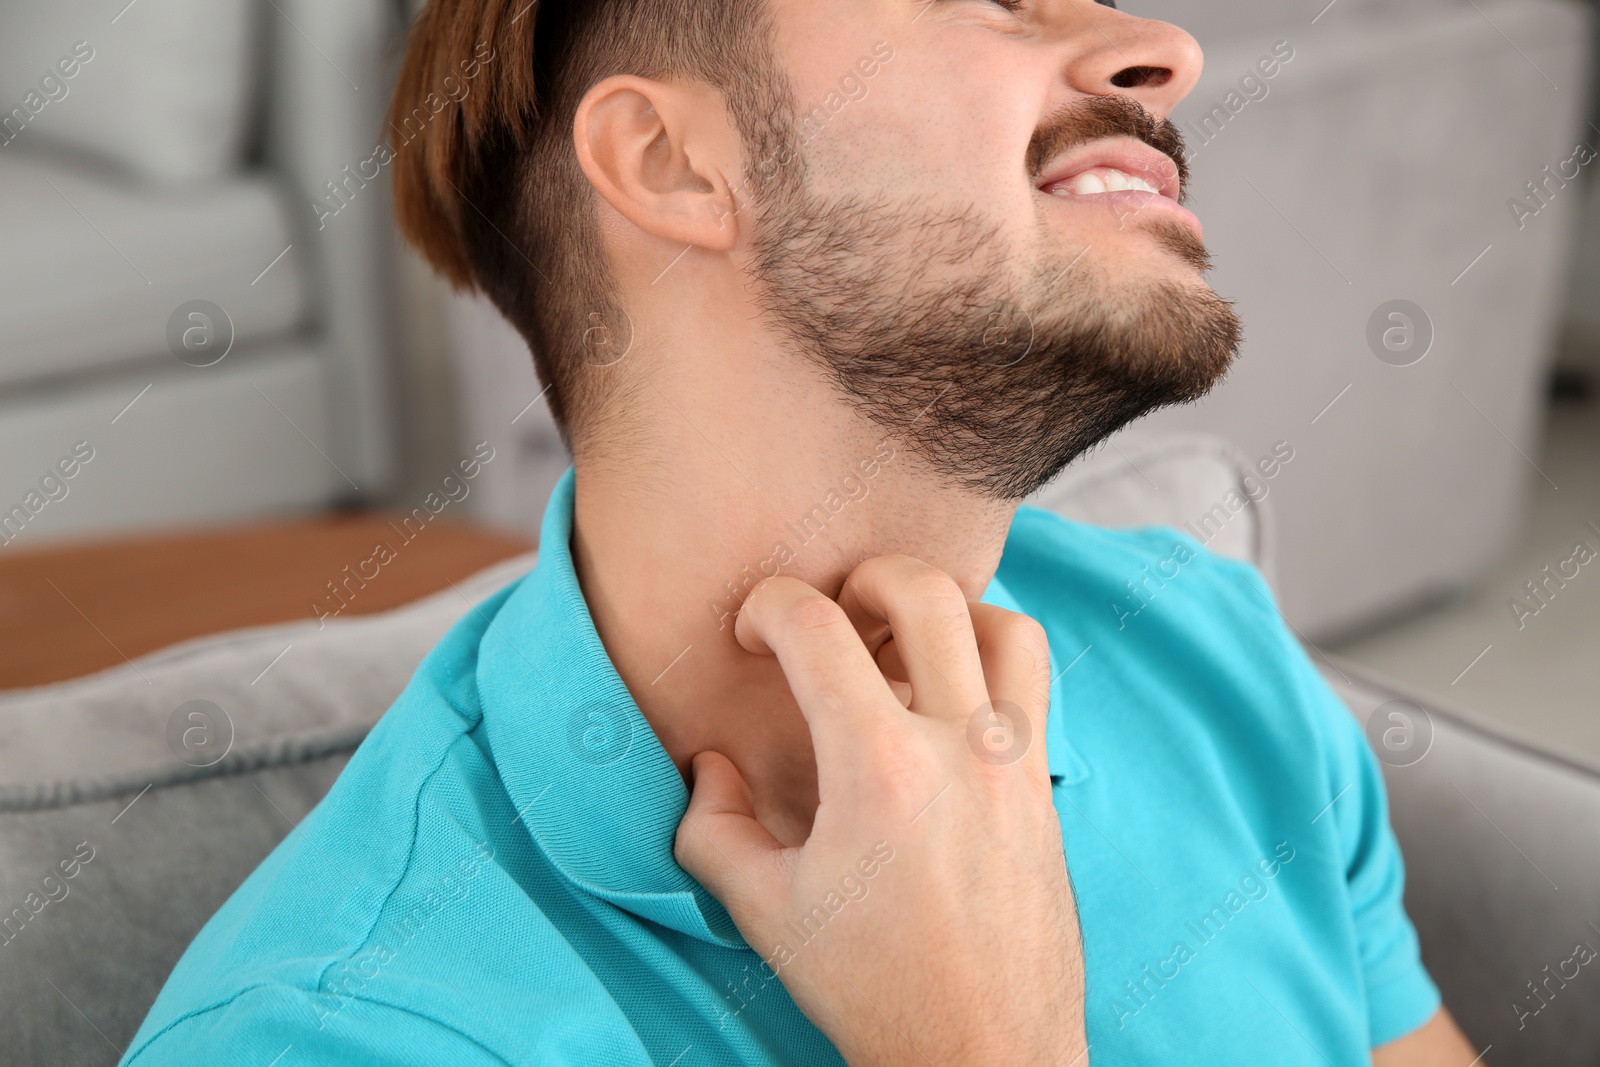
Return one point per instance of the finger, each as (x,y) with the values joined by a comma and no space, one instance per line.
(1015,653)
(1016,667)
(722,845)
(890,663)
(932,626)
(894,672)
(833,677)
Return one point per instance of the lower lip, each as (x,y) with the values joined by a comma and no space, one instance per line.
(1128,204)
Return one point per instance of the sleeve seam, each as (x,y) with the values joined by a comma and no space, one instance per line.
(285,986)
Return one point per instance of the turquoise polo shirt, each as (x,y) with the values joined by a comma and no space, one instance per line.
(491,879)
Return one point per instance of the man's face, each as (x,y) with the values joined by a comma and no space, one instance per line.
(910,233)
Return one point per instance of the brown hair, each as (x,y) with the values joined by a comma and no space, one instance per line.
(489,188)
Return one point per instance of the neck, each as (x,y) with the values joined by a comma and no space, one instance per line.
(667,550)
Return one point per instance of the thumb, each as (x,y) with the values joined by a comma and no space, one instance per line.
(722,845)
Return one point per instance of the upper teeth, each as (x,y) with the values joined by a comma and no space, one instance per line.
(1102,180)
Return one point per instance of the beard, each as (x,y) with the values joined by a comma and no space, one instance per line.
(995,372)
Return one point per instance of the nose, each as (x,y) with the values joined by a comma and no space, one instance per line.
(1113,52)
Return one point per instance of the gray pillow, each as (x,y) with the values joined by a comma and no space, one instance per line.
(134,801)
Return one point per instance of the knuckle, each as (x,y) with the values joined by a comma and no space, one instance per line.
(927,583)
(908,576)
(772,590)
(948,632)
(1030,643)
(876,566)
(1035,632)
(814,615)
(938,602)
(1026,632)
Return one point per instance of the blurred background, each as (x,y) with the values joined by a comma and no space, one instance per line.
(206,317)
(255,459)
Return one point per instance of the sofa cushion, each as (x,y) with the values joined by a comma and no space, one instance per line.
(1502,850)
(98,945)
(114,850)
(286,693)
(161,88)
(93,268)
(1195,482)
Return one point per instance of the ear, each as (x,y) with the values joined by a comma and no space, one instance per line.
(660,153)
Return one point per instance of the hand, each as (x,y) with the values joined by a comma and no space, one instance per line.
(928,917)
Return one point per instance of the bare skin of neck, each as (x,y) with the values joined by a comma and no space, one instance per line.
(726,453)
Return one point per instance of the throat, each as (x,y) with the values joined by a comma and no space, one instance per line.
(665,569)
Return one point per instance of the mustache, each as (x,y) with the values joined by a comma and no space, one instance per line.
(1099,117)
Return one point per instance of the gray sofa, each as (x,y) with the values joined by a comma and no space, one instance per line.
(191,155)
(1377,165)
(158,815)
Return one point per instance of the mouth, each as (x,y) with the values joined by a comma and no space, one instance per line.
(1125,175)
(1114,166)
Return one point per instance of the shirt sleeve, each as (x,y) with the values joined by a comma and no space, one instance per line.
(1400,994)
(282,1026)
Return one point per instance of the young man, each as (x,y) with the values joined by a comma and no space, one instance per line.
(821,289)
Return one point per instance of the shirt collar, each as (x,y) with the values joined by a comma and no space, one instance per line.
(586,773)
(582,766)
(1066,764)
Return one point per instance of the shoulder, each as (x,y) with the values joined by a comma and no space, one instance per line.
(1141,573)
(262,1023)
(399,838)
(412,868)
(1190,641)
